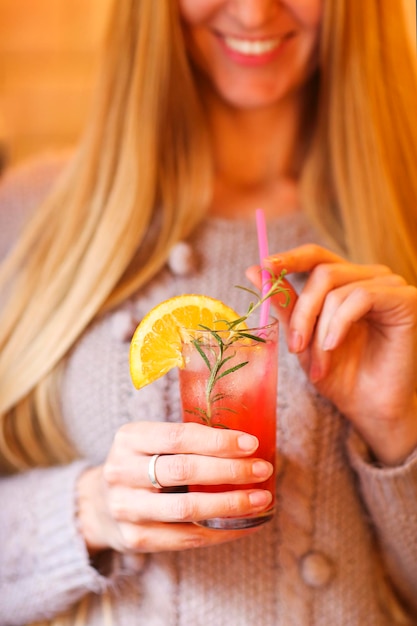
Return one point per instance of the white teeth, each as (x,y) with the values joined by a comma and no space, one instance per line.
(250,47)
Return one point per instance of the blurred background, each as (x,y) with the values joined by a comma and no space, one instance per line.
(48,59)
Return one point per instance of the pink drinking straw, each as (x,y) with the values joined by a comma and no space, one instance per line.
(263,253)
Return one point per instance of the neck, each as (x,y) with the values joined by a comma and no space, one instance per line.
(257,156)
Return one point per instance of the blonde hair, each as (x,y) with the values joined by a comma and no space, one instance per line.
(141,180)
(137,184)
(360,177)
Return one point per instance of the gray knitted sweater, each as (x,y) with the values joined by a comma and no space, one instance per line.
(342,547)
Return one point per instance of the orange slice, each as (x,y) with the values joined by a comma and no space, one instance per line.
(156,344)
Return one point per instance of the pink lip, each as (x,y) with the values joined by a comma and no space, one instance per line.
(248,60)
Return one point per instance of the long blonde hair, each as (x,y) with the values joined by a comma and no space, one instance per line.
(137,184)
(360,177)
(140,181)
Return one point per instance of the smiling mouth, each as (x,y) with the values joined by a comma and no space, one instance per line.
(252,47)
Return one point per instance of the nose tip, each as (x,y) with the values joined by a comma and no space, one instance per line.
(252,14)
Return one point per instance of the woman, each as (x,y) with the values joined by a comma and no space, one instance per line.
(206,110)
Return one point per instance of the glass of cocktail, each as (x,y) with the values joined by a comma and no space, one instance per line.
(229,380)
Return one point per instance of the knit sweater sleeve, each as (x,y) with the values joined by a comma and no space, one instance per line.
(390,496)
(44,564)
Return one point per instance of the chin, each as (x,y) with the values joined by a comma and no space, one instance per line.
(248,95)
(251,101)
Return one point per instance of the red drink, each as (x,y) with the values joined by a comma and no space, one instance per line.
(243,397)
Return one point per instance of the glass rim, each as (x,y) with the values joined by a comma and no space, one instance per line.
(273,322)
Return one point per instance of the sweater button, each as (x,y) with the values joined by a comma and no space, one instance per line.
(123,325)
(182,260)
(316,569)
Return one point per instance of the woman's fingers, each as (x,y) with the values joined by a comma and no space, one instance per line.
(321,285)
(165,537)
(332,309)
(187,454)
(185,469)
(175,438)
(302,259)
(132,499)
(326,271)
(119,508)
(386,303)
(141,505)
(312,311)
(379,297)
(354,328)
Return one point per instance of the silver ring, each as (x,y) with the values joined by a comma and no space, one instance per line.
(151,472)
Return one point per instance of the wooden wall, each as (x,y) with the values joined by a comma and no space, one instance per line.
(411,11)
(48,58)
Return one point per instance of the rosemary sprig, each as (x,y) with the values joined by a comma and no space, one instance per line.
(218,355)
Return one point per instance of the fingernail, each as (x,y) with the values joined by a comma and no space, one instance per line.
(260,498)
(296,341)
(261,469)
(275,259)
(329,342)
(247,442)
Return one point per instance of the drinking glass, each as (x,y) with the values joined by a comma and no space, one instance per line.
(229,380)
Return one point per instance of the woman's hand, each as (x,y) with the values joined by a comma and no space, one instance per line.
(119,508)
(354,329)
